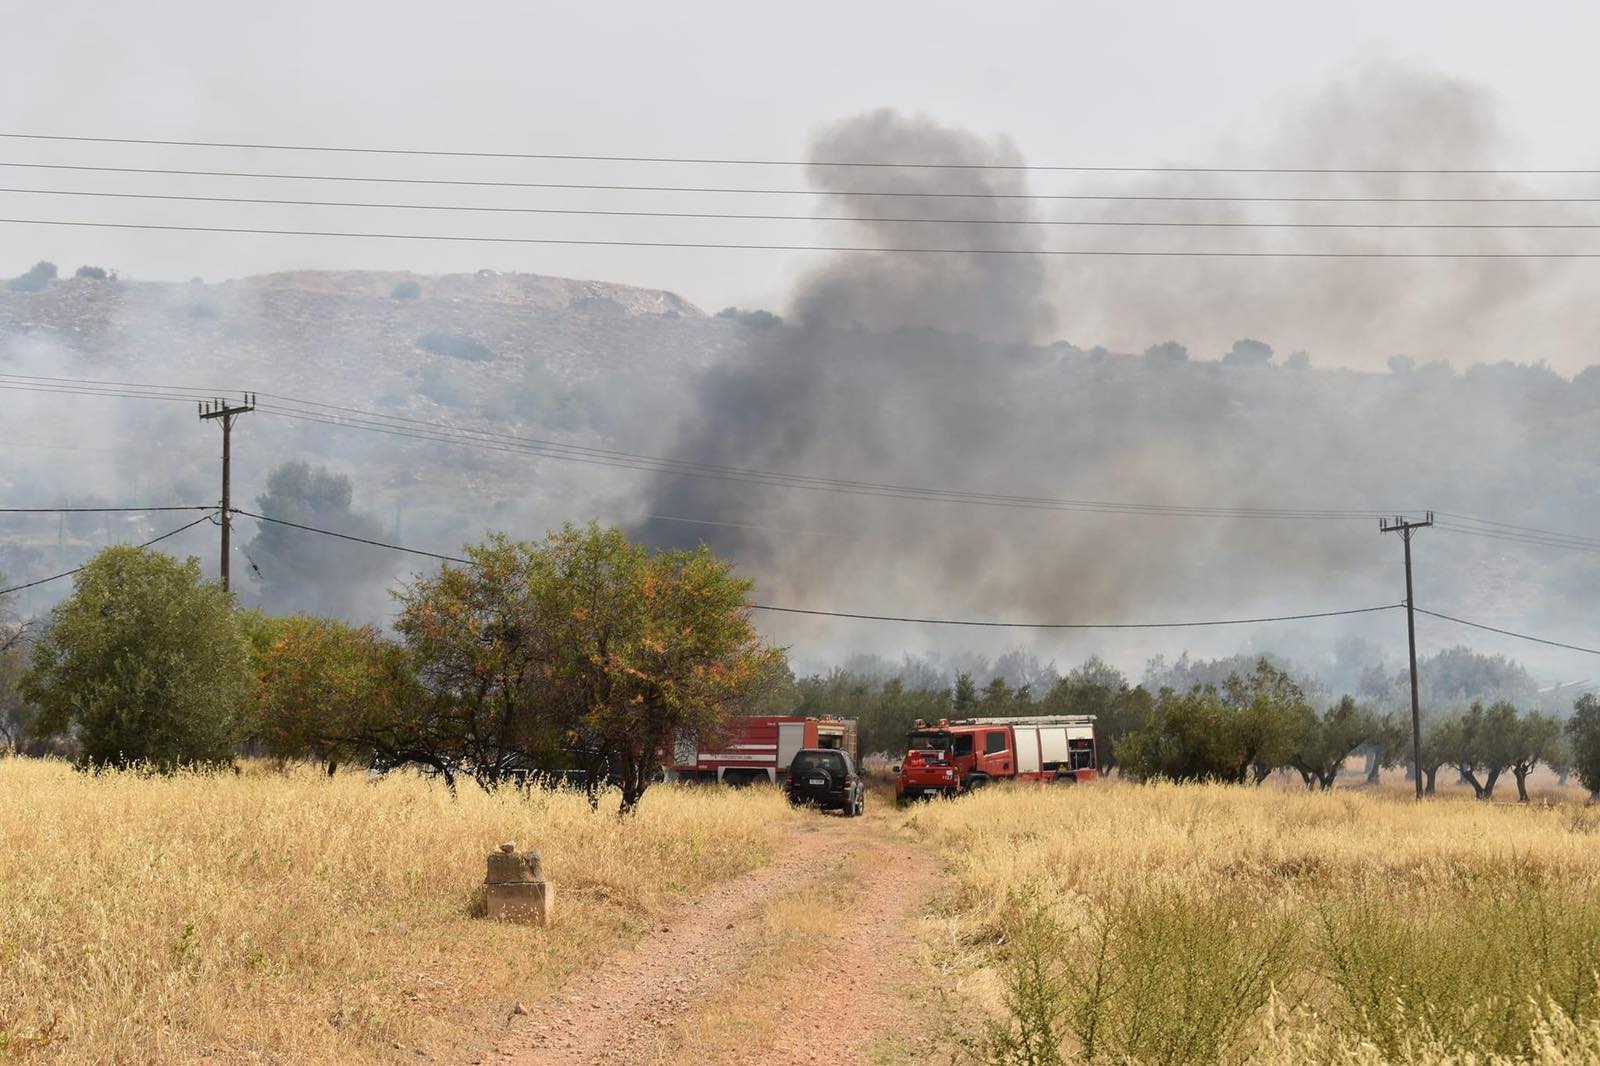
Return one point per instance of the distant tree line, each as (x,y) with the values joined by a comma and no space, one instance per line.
(1239,722)
(588,653)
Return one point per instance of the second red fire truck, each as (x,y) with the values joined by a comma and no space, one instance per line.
(758,749)
(949,757)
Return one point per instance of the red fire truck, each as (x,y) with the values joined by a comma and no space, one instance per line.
(760,748)
(946,758)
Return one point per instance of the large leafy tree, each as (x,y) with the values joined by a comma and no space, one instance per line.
(1327,740)
(1271,712)
(585,646)
(685,658)
(1535,739)
(1583,738)
(1443,739)
(484,648)
(1486,745)
(301,571)
(15,713)
(144,662)
(337,692)
(1241,733)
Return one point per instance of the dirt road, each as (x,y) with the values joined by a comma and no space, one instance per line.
(807,959)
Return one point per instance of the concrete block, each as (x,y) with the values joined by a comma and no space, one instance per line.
(525,902)
(507,868)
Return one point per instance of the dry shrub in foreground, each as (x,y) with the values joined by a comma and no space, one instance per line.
(275,917)
(1196,924)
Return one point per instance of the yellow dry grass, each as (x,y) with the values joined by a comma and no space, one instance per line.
(268,917)
(1280,926)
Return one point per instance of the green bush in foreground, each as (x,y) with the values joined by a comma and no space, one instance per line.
(1476,970)
(143,663)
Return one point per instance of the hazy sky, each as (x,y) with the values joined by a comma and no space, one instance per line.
(1104,83)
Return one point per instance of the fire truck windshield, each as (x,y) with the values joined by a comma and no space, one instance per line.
(925,739)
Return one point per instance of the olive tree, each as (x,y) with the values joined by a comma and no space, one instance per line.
(1583,737)
(143,663)
(1327,740)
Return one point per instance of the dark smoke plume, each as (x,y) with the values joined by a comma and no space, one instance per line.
(934,371)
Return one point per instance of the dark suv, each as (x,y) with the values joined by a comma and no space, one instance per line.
(827,778)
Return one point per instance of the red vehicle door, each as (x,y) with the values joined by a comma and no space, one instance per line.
(995,752)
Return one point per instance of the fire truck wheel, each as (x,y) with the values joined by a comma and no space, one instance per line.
(975,782)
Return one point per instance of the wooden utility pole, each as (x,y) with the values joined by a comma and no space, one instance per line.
(222,411)
(1405,527)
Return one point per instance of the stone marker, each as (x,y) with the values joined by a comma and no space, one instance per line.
(515,888)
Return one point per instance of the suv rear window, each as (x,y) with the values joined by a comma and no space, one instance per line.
(831,761)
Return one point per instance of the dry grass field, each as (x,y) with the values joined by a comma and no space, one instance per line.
(1190,924)
(292,918)
(286,917)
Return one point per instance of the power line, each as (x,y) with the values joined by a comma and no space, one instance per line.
(79,570)
(984,623)
(350,537)
(421,429)
(1074,625)
(736,216)
(751,191)
(1511,528)
(749,161)
(1520,538)
(873,617)
(401,426)
(104,510)
(258,231)
(1509,633)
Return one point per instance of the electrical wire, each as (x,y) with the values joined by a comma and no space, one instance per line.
(750,191)
(419,429)
(759,217)
(1074,625)
(748,161)
(1559,541)
(1512,529)
(1508,632)
(350,537)
(80,569)
(105,510)
(340,416)
(730,246)
(874,617)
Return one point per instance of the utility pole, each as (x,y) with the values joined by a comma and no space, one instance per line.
(222,411)
(1405,527)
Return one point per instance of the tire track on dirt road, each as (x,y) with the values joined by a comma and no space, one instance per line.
(648,1004)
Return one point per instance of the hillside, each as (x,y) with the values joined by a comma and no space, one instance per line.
(607,366)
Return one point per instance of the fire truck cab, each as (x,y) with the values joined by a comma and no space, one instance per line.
(950,757)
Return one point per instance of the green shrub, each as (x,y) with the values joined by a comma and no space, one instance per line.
(456,346)
(1158,976)
(1470,965)
(37,279)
